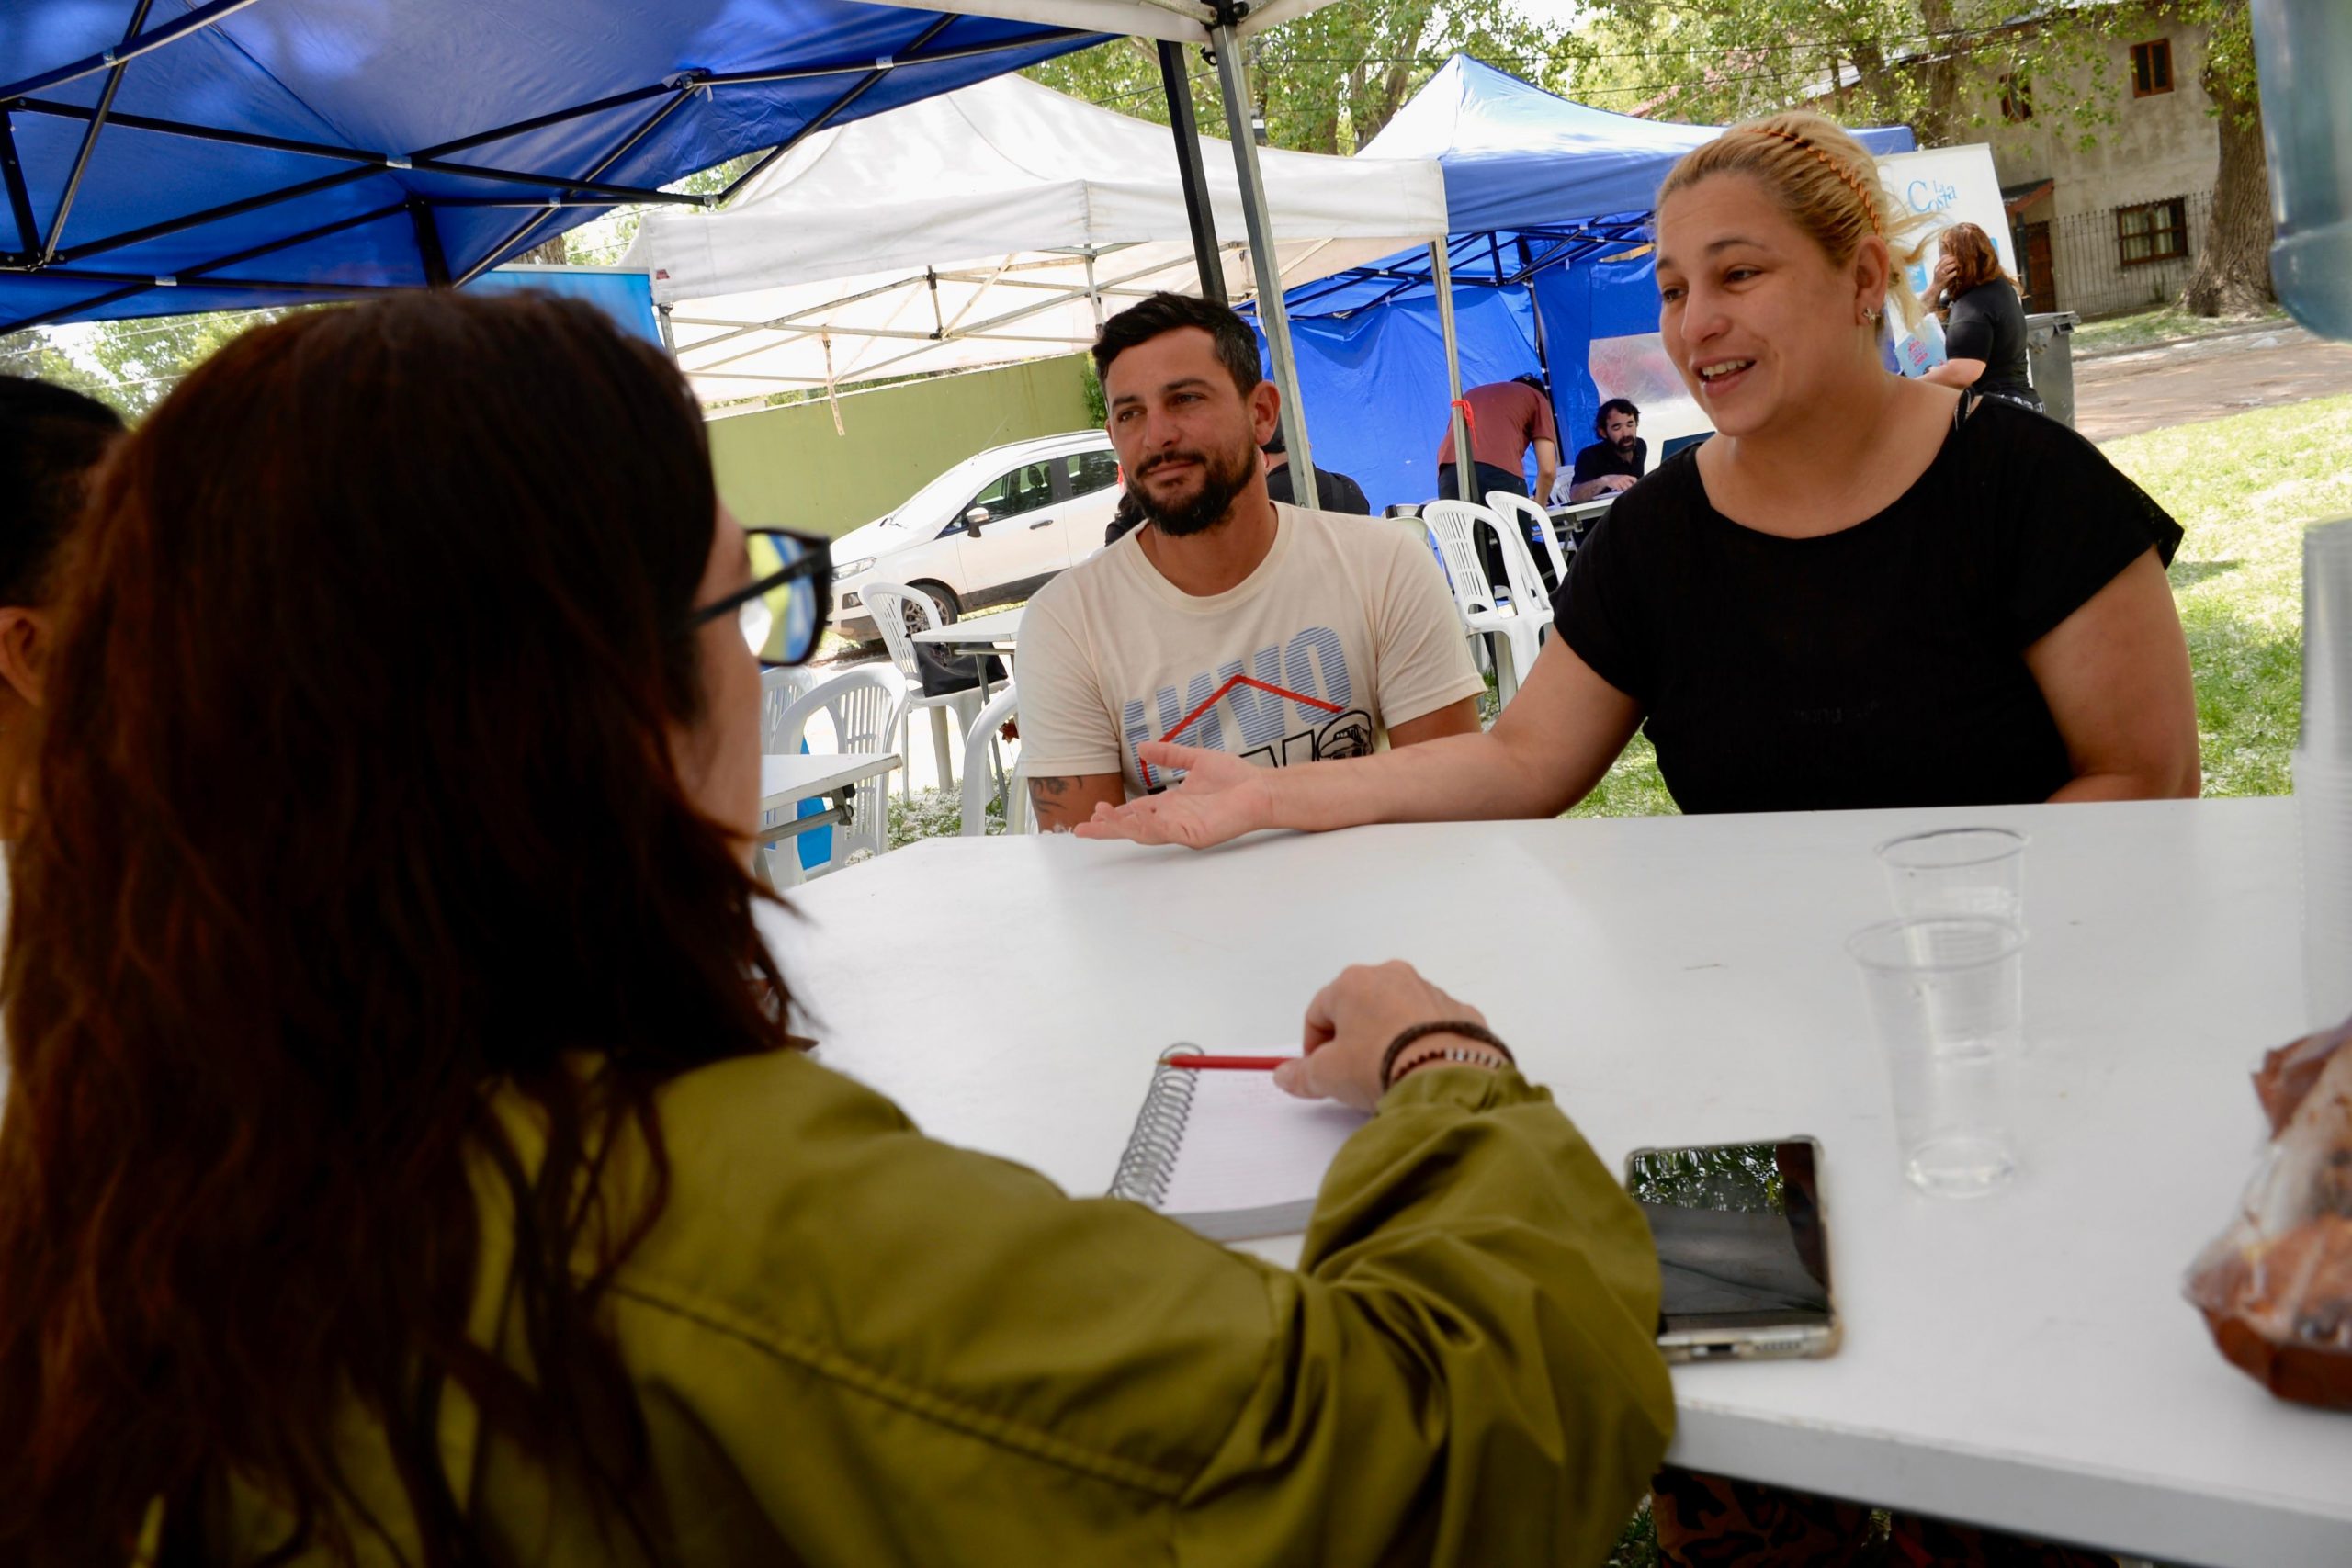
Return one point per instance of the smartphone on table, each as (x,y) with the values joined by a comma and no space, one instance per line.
(1743,1248)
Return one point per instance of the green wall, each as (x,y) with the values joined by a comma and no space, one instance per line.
(785,466)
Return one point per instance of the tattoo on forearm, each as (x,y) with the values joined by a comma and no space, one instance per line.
(1048,802)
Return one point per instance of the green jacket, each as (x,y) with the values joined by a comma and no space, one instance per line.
(855,1346)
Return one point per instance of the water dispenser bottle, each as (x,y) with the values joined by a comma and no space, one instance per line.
(2303,52)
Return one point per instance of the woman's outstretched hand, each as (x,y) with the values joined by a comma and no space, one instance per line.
(1220,797)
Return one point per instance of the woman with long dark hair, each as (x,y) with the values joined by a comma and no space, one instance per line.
(405,1163)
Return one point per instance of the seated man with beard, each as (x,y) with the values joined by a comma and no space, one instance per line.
(1226,620)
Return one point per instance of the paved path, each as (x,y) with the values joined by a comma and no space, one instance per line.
(2206,378)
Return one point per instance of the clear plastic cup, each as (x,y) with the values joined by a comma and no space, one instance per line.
(1957,871)
(1946,993)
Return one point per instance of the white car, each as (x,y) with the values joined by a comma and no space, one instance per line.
(989,531)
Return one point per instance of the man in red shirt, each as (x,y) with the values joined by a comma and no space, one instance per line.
(1506,418)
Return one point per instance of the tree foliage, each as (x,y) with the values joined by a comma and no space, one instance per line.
(1326,82)
(1934,65)
(32,353)
(143,357)
(1916,62)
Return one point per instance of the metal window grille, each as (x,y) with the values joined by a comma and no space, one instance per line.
(2090,271)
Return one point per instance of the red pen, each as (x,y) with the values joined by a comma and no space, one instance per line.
(1259,1064)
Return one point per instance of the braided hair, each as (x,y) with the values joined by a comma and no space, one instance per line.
(1827,184)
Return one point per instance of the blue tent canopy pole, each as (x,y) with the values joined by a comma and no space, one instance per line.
(830,112)
(652,123)
(133,45)
(90,137)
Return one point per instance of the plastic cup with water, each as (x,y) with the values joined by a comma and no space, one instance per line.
(1946,993)
(1957,871)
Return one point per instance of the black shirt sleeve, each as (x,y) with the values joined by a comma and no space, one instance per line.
(2065,520)
(1587,457)
(1968,335)
(1598,609)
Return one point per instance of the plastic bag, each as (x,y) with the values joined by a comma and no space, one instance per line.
(2275,1288)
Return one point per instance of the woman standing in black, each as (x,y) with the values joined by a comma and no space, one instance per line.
(1983,320)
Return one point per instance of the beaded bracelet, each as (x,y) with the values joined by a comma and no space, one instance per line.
(1458,1054)
(1463,1027)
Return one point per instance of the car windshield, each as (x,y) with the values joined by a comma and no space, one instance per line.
(949,489)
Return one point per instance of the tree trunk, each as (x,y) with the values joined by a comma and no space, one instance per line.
(1939,124)
(2232,276)
(547,252)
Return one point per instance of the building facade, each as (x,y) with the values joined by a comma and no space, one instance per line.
(2107,217)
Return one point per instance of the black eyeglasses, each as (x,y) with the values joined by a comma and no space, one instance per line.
(787,602)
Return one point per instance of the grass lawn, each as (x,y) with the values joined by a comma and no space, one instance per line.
(2243,487)
(2159,325)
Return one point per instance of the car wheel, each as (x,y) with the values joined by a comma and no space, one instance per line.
(939,594)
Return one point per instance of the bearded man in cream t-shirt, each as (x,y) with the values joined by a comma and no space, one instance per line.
(1226,620)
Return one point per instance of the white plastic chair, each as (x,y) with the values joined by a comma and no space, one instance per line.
(1527,589)
(1452,526)
(1513,507)
(888,603)
(978,776)
(779,689)
(864,706)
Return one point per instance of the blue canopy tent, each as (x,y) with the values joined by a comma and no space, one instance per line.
(163,156)
(1550,205)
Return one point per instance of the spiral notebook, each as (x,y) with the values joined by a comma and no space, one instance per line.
(1225,1152)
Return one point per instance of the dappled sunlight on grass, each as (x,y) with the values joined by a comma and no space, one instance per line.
(2161,325)
(2244,489)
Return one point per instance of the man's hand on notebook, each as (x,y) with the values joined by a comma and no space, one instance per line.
(1219,797)
(1350,1022)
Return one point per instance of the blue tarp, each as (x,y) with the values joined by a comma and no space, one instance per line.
(1541,194)
(1374,383)
(627,296)
(1596,297)
(262,152)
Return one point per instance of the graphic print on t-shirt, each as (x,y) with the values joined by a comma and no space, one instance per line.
(1285,704)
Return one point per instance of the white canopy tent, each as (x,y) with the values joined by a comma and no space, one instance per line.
(996,223)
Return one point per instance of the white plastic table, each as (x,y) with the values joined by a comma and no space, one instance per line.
(994,633)
(2023,1360)
(786,780)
